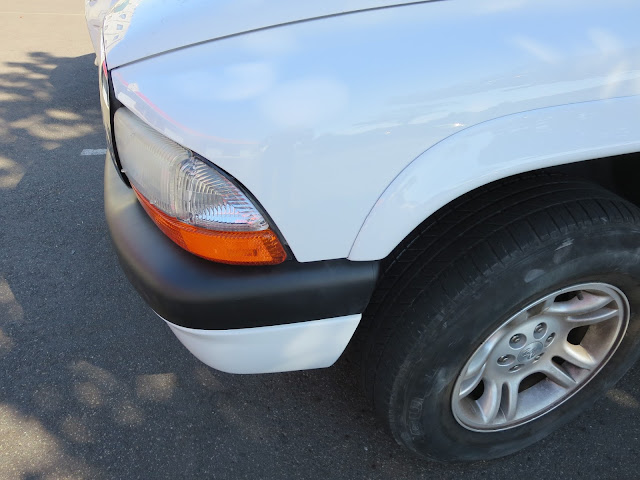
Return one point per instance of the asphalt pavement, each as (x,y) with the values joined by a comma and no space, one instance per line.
(93,385)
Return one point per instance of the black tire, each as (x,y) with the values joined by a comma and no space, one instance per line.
(459,276)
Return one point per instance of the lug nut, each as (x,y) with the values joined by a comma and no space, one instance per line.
(506,360)
(518,340)
(539,330)
(537,357)
(515,368)
(550,338)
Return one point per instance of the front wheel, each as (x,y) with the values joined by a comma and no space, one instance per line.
(505,318)
(539,358)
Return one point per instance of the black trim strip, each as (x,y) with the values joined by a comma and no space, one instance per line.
(114,104)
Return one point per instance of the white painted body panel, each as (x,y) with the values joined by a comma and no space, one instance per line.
(142,28)
(317,119)
(486,152)
(280,348)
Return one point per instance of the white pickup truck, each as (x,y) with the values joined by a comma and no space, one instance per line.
(447,188)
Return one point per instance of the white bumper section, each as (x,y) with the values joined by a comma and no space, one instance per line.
(279,348)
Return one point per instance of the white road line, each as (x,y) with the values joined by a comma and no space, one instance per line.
(94,151)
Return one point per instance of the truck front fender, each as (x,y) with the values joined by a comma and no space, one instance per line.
(492,150)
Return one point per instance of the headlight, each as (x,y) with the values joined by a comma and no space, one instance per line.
(191,201)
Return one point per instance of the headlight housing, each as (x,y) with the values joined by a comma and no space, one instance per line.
(191,201)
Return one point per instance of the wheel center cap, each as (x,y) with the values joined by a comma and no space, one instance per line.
(530,352)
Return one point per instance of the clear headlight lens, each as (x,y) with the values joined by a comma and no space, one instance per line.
(177,182)
(190,200)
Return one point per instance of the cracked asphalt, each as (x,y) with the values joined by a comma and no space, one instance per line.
(93,385)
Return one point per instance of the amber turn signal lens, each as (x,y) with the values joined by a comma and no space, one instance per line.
(237,248)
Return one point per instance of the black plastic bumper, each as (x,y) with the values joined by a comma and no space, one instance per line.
(195,293)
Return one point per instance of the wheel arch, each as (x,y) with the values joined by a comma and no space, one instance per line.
(595,139)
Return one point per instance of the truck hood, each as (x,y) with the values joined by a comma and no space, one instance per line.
(136,29)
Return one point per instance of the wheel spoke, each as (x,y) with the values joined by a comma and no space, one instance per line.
(544,306)
(558,375)
(577,355)
(510,400)
(476,367)
(489,402)
(582,303)
(592,317)
(471,381)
